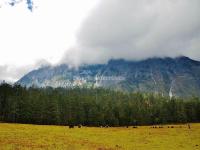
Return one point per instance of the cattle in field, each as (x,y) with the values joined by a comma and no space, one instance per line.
(189,126)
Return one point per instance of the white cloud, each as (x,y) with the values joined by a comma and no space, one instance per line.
(139,29)
(12,73)
(45,33)
(130,29)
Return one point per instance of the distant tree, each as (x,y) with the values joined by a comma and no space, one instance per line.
(93,107)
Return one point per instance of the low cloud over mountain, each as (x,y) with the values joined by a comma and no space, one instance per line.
(138,29)
(170,77)
(113,29)
(12,73)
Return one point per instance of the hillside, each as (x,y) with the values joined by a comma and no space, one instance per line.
(168,76)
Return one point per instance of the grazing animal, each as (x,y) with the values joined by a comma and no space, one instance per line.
(71,126)
(118,146)
(106,126)
(189,126)
(79,126)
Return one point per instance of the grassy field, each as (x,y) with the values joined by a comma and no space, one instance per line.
(25,137)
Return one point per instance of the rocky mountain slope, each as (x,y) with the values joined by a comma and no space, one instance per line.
(171,77)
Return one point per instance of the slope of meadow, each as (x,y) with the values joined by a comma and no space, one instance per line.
(25,137)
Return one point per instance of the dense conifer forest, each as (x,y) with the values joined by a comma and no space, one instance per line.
(92,107)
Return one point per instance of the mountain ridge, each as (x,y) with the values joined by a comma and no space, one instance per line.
(167,76)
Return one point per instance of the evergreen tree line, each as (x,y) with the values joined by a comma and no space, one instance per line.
(92,107)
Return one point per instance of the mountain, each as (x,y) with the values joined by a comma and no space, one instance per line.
(178,77)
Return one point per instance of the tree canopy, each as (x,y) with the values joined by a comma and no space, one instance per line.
(92,107)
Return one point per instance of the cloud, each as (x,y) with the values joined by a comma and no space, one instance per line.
(44,33)
(138,29)
(12,73)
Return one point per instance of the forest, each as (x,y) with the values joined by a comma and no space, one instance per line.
(93,107)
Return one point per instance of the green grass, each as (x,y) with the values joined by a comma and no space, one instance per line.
(25,137)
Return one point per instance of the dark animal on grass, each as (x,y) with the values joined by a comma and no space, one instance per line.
(189,126)
(71,126)
(106,126)
(118,146)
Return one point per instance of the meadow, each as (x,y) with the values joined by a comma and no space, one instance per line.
(25,137)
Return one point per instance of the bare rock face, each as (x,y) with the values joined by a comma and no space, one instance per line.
(167,76)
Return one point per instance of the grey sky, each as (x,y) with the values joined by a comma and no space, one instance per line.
(95,31)
(138,29)
(12,73)
(44,33)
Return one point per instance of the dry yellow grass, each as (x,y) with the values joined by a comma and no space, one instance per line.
(26,137)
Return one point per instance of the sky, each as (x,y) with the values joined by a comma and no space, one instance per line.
(94,31)
(29,39)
